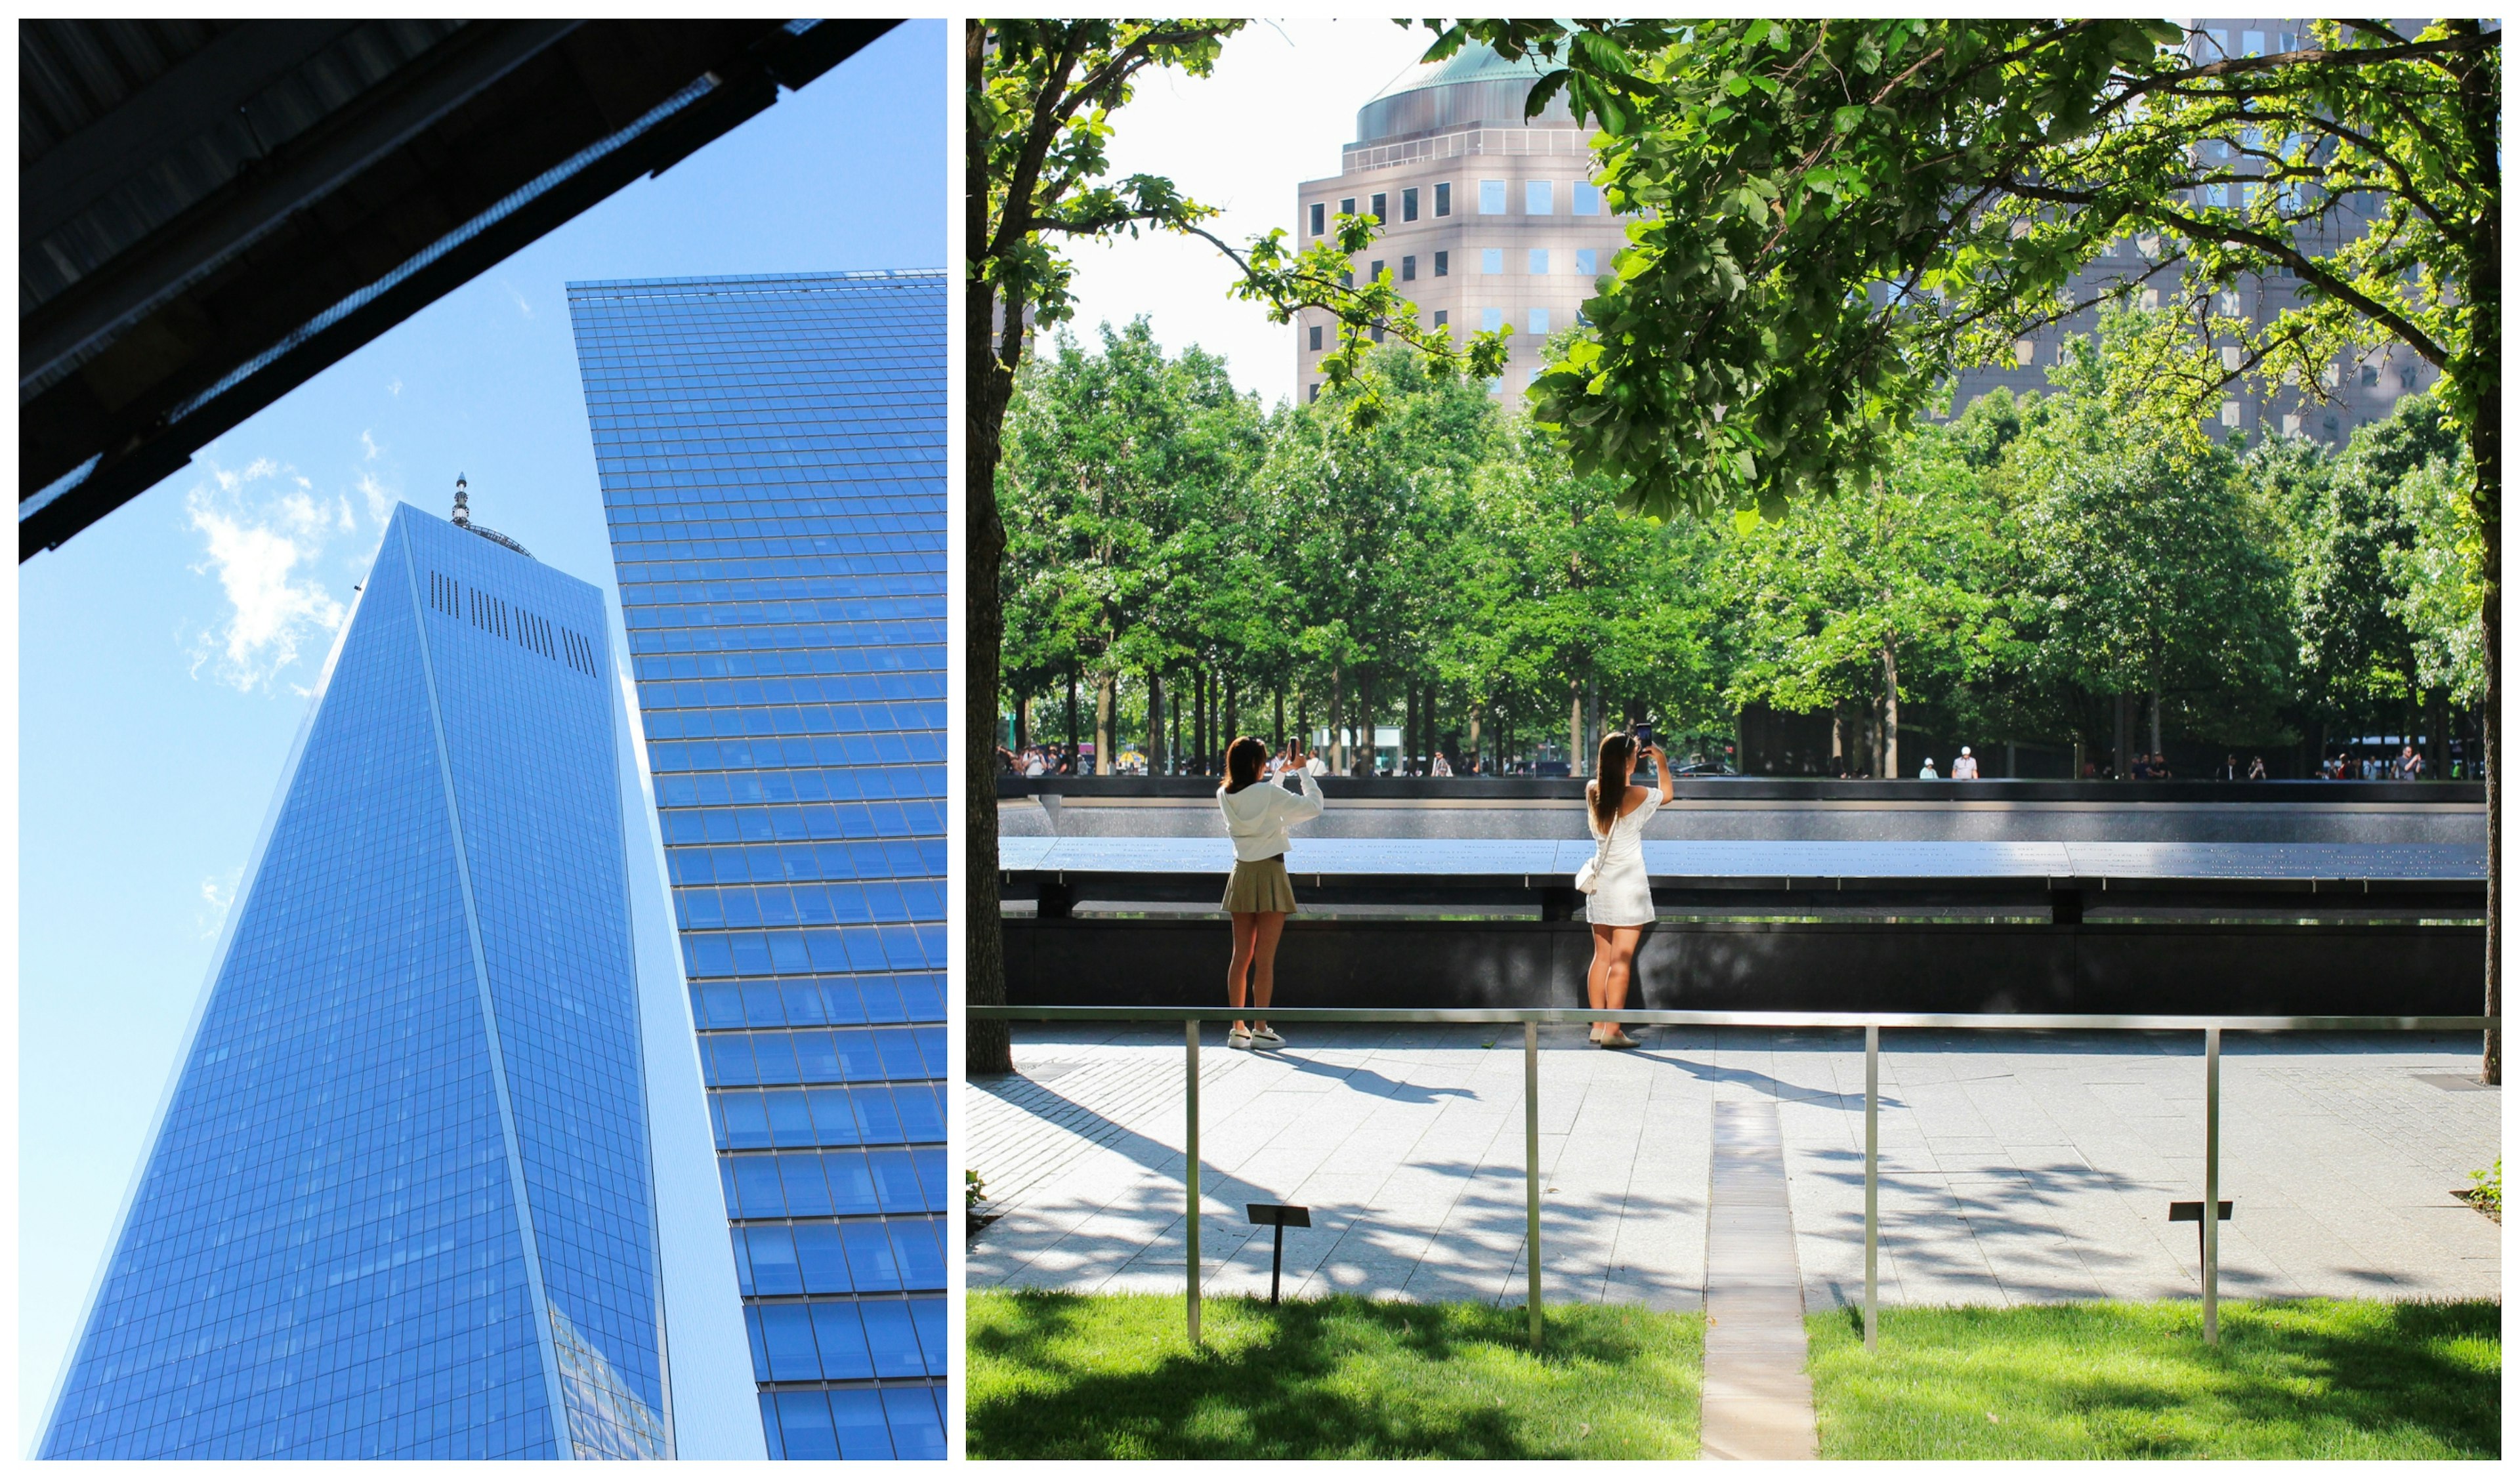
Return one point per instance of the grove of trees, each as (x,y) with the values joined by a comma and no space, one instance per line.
(2075,568)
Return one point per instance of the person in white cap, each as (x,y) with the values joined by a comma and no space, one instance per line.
(1965,767)
(1929,773)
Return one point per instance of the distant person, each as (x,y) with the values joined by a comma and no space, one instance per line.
(2256,767)
(1034,765)
(1442,766)
(1259,895)
(1929,773)
(1315,765)
(2410,765)
(1619,898)
(2160,766)
(1965,767)
(2231,770)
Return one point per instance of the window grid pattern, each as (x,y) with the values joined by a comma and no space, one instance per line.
(324,1258)
(772,455)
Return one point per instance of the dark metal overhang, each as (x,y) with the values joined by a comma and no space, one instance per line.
(211,212)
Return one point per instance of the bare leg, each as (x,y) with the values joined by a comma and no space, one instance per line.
(1245,929)
(1596,977)
(1265,928)
(1619,965)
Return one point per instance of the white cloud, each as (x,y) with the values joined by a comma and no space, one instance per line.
(259,546)
(379,498)
(394,386)
(524,307)
(218,896)
(370,442)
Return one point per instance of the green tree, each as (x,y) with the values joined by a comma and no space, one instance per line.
(1899,582)
(1832,216)
(1038,100)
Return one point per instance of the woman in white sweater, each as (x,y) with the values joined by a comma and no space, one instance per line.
(1259,895)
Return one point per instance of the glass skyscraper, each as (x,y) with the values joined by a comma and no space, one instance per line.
(772,454)
(408,1195)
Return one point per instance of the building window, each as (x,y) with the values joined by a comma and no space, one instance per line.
(1539,261)
(1378,206)
(1587,262)
(1408,203)
(1347,278)
(1539,198)
(1376,276)
(1492,197)
(2230,413)
(1444,198)
(2407,379)
(1490,261)
(2024,351)
(2253,43)
(1491,319)
(1538,322)
(1443,316)
(1376,331)
(1408,269)
(1318,210)
(1348,206)
(1316,392)
(1443,264)
(2151,300)
(1496,385)
(2292,425)
(1587,197)
(2330,427)
(1317,338)
(2231,358)
(2370,374)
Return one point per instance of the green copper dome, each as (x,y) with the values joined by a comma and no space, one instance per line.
(1474,85)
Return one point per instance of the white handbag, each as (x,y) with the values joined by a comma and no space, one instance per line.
(1588,876)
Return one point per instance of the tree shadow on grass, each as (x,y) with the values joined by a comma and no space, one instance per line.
(1066,1377)
(2310,1378)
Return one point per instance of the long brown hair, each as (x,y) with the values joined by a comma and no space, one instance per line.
(1242,761)
(1618,747)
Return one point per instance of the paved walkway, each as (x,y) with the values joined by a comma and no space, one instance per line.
(1757,1400)
(2017,1168)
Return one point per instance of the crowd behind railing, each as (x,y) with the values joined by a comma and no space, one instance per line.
(1036,761)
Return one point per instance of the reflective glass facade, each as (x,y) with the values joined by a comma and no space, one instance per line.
(772,454)
(400,1201)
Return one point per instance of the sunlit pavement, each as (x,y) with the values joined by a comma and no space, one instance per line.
(2015,1168)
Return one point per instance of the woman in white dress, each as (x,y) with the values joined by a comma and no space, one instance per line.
(1619,903)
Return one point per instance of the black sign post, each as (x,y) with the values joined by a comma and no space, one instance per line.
(1272,1215)
(2195,1212)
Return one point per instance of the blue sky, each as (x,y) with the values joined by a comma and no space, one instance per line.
(164,652)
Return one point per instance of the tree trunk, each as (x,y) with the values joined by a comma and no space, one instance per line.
(1365,727)
(1106,697)
(2123,717)
(988,382)
(1154,722)
(1574,726)
(1232,730)
(2156,696)
(1072,750)
(1890,707)
(1338,719)
(1278,718)
(1408,727)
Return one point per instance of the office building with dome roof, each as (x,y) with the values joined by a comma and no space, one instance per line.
(1489,219)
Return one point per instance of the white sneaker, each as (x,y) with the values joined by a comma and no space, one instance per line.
(1269,1035)
(1240,1037)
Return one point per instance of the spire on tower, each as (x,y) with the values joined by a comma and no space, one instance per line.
(463,515)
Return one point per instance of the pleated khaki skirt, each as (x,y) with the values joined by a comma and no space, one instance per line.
(1261,887)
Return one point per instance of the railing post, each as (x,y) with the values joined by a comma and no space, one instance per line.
(1189,1164)
(2212,1271)
(1531,1163)
(1871,1187)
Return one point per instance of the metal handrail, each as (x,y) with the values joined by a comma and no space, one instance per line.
(1531,1018)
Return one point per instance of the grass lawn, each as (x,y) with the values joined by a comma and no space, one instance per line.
(1113,1376)
(2317,1379)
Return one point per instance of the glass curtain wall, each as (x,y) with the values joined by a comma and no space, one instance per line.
(771,455)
